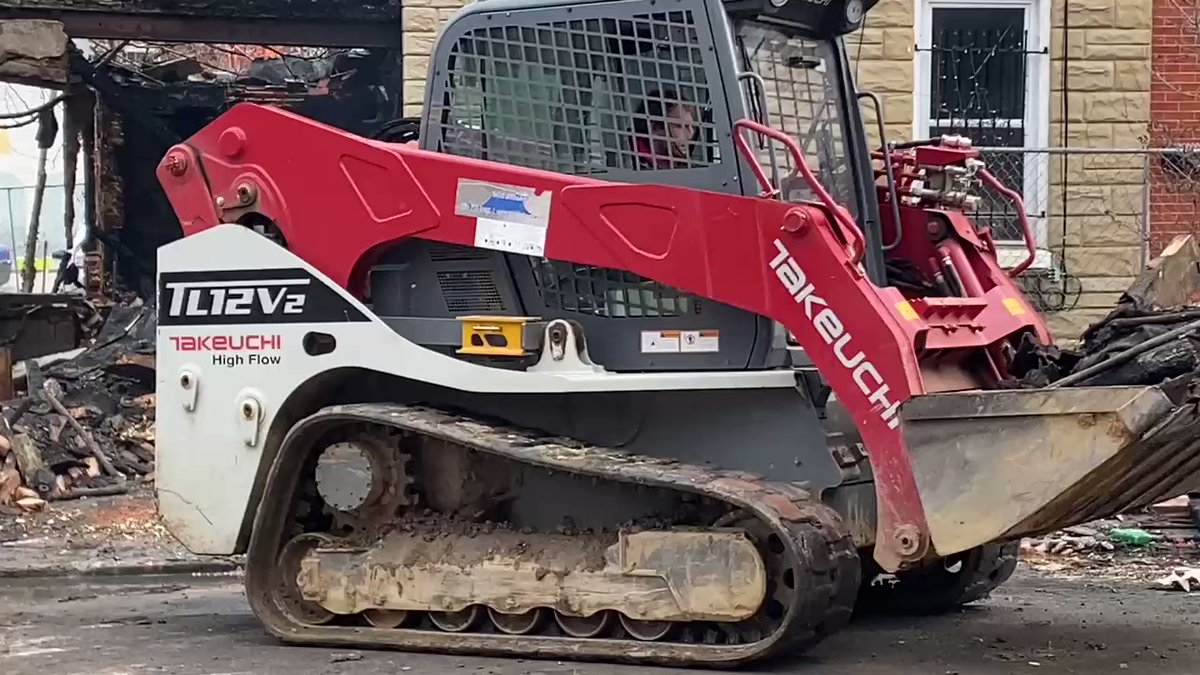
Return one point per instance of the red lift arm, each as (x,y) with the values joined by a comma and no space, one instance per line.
(339,200)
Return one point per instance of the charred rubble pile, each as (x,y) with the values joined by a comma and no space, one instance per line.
(1152,336)
(83,426)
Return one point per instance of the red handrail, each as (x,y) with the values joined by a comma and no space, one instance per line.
(1019,203)
(840,214)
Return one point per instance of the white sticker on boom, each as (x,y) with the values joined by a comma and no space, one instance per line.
(511,237)
(697,341)
(509,218)
(660,342)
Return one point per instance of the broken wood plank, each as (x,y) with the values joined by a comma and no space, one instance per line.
(6,366)
(94,447)
(29,457)
(79,493)
(1170,280)
(10,480)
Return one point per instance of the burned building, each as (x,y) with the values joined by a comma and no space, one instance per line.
(139,76)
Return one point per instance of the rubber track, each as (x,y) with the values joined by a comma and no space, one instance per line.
(811,532)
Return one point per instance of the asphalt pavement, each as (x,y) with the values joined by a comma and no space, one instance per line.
(198,625)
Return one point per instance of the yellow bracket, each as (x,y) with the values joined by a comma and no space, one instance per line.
(493,335)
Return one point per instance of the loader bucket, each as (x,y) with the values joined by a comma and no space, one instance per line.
(997,465)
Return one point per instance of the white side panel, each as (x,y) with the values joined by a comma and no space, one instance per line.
(218,366)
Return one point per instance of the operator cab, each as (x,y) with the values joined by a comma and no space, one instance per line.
(639,91)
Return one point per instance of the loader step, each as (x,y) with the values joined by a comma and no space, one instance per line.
(707,567)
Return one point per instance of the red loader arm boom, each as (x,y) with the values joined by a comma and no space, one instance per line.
(338,200)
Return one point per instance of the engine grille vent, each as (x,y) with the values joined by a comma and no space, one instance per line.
(442,252)
(470,291)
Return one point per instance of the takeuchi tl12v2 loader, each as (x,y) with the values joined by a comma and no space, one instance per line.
(639,352)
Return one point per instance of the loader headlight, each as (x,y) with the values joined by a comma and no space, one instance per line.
(854,12)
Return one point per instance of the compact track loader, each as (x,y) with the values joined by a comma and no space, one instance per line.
(638,353)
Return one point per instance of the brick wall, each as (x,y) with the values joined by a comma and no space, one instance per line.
(1175,119)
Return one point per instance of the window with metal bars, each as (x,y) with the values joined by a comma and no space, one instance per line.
(977,76)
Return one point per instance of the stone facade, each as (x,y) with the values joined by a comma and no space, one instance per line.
(421,21)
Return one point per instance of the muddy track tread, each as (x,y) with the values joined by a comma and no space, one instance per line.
(812,533)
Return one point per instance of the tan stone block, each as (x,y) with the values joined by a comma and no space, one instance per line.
(414,92)
(1117,36)
(1093,135)
(1103,261)
(1085,13)
(416,67)
(899,132)
(1116,52)
(1116,167)
(1134,14)
(420,44)
(445,13)
(448,3)
(1130,134)
(1116,107)
(1103,284)
(870,34)
(1131,75)
(1074,40)
(898,44)
(887,76)
(862,55)
(1083,75)
(423,19)
(1097,200)
(897,108)
(1103,231)
(892,13)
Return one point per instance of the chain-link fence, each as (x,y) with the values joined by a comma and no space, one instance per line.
(1098,214)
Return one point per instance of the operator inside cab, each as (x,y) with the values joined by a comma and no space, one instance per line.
(665,131)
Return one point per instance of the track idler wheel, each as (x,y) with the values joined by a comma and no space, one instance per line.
(286,594)
(388,618)
(524,623)
(647,631)
(592,626)
(460,621)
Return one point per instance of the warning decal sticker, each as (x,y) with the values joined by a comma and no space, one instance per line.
(508,218)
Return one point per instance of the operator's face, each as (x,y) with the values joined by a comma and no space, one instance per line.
(681,127)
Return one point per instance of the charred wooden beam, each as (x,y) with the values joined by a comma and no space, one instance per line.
(332,23)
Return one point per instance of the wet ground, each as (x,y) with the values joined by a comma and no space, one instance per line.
(1038,623)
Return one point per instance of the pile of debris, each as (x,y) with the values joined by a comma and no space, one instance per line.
(85,424)
(1152,336)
